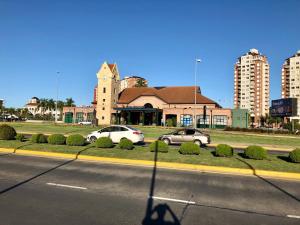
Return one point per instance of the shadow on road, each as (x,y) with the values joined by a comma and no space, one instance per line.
(43,173)
(21,146)
(156,215)
(267,181)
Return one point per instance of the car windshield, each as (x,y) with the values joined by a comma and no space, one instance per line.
(190,132)
(179,132)
(132,128)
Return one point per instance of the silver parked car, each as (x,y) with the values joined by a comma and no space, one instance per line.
(186,135)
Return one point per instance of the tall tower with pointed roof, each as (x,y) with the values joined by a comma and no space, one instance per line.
(107,92)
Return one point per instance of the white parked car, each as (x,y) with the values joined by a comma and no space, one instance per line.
(116,133)
(85,123)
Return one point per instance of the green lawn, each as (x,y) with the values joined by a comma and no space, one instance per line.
(245,139)
(233,138)
(51,128)
(274,162)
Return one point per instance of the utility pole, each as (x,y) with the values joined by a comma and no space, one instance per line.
(57,85)
(195,94)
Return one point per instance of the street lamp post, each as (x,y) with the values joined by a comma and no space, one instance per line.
(57,85)
(195,94)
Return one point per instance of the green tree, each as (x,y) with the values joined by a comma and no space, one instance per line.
(60,105)
(1,105)
(50,104)
(26,114)
(11,111)
(42,105)
(70,102)
(141,83)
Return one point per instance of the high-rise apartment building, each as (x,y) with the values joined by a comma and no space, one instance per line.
(251,84)
(290,79)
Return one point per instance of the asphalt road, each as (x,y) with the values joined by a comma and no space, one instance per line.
(41,191)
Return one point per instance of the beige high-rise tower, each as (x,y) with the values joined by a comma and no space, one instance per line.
(290,79)
(251,84)
(107,92)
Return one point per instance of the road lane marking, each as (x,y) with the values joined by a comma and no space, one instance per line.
(173,200)
(67,186)
(293,216)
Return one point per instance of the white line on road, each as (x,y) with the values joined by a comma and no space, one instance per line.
(68,186)
(173,200)
(293,216)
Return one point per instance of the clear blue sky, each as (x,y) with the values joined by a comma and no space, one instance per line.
(158,40)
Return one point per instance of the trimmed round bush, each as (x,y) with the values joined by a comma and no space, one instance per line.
(159,146)
(7,132)
(224,150)
(126,144)
(20,137)
(75,140)
(38,138)
(255,152)
(57,139)
(295,155)
(104,142)
(189,148)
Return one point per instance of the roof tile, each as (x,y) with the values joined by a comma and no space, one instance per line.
(170,95)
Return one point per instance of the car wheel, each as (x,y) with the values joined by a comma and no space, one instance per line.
(197,142)
(166,140)
(93,139)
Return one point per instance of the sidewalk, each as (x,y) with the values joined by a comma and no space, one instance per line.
(164,165)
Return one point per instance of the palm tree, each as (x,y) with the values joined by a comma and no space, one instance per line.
(50,104)
(25,113)
(141,83)
(69,102)
(1,105)
(42,105)
(60,105)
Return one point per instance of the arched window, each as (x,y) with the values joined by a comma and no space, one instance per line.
(148,105)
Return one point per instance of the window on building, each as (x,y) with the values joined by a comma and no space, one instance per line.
(186,119)
(104,100)
(103,108)
(102,117)
(220,120)
(90,117)
(202,120)
(104,90)
(79,117)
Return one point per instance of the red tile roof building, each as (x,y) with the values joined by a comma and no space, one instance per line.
(149,105)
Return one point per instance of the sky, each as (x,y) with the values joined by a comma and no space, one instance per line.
(158,40)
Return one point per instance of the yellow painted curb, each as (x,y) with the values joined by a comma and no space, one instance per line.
(167,165)
(7,150)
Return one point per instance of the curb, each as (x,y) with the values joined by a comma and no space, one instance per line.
(165,165)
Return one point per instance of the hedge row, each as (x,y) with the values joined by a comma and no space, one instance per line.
(188,148)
